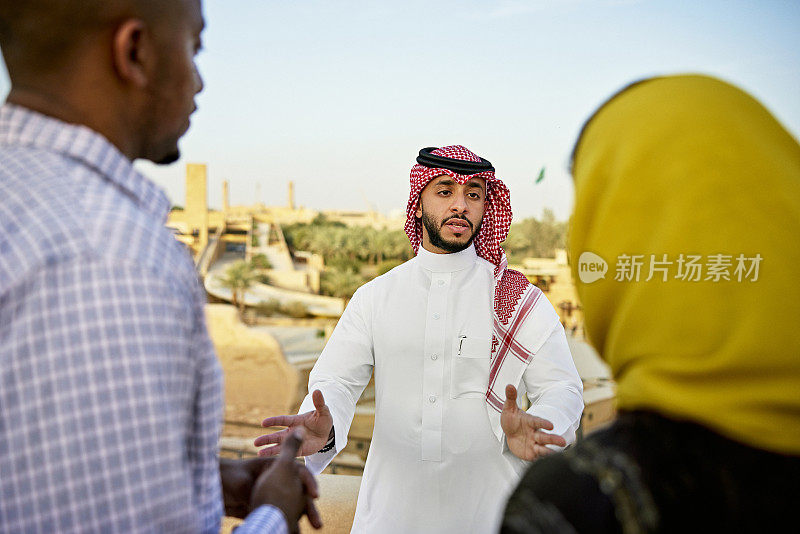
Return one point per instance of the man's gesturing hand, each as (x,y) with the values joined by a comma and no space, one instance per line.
(288,486)
(524,431)
(317,425)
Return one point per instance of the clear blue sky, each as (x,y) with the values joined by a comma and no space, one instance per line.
(339,96)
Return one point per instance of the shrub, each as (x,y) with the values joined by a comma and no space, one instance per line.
(268,308)
(295,309)
(260,261)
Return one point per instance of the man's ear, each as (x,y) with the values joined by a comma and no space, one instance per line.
(131,53)
(418,213)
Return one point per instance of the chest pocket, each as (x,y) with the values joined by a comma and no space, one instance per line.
(470,372)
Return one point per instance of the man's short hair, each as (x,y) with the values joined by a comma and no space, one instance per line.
(39,36)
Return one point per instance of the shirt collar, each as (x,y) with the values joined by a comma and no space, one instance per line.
(443,263)
(21,126)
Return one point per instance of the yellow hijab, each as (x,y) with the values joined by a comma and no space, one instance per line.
(692,165)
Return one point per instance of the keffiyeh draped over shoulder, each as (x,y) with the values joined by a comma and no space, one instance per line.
(514,296)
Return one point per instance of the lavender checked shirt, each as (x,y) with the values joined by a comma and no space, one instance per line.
(110,390)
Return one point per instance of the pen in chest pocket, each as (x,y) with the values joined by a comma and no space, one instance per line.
(460,342)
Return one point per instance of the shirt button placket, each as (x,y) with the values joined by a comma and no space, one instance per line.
(433,368)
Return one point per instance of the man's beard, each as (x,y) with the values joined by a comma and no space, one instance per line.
(435,233)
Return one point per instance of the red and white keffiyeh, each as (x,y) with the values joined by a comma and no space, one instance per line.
(514,297)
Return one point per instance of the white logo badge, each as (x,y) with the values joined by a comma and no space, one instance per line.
(591,267)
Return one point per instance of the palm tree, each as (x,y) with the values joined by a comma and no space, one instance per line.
(400,247)
(239,276)
(383,243)
(340,283)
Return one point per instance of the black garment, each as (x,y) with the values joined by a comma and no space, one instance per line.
(647,473)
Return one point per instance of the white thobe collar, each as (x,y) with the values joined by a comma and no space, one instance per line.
(446,263)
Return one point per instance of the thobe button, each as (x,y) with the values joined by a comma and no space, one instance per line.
(434,356)
(436,316)
(440,282)
(432,399)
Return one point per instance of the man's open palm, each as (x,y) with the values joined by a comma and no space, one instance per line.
(524,431)
(317,424)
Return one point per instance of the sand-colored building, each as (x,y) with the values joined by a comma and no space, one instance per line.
(196,222)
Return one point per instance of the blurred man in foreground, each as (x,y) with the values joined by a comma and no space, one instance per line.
(110,391)
(691,190)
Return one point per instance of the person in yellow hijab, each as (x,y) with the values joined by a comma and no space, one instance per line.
(684,248)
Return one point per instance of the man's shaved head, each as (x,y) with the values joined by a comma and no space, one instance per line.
(39,36)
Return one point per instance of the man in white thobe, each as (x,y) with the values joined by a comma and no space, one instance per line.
(450,336)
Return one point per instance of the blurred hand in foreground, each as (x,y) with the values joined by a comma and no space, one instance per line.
(238,478)
(288,485)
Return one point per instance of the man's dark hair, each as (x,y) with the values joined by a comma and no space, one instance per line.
(39,36)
